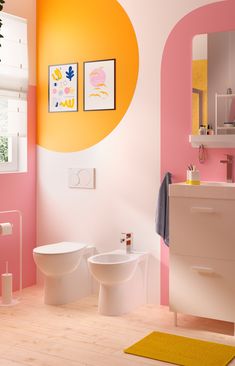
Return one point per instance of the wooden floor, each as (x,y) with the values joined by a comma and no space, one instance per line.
(75,334)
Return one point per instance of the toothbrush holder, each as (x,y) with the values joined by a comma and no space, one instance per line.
(193,177)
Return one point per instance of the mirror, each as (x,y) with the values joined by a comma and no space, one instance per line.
(213,84)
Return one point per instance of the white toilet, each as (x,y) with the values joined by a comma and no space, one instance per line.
(57,261)
(123,280)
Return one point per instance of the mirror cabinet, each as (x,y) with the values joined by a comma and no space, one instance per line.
(213,90)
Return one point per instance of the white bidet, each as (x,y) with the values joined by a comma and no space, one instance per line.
(113,271)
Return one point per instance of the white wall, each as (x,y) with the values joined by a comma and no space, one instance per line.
(127,161)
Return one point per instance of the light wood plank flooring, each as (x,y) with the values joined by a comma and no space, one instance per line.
(35,334)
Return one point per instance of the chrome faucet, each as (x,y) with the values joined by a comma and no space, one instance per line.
(229,163)
(127,238)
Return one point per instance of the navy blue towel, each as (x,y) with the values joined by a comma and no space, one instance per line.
(162,213)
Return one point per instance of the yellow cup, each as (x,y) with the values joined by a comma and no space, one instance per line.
(193,177)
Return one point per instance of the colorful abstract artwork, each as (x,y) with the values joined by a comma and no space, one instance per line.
(99,85)
(63,81)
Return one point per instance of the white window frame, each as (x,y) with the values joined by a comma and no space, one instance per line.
(12,164)
(14,84)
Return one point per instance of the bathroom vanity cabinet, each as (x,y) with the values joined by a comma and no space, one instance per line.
(202,250)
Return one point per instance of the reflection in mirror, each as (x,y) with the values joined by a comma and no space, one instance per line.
(213,83)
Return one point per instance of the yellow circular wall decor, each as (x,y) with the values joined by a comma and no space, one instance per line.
(75,32)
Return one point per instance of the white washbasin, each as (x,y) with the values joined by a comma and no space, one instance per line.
(206,189)
(218,184)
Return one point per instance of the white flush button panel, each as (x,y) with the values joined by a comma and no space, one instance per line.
(82,178)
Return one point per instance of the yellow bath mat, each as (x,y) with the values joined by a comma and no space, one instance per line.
(182,350)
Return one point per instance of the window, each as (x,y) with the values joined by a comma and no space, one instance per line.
(13,94)
(13,131)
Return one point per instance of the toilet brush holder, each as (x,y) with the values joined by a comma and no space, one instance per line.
(7,299)
(6,278)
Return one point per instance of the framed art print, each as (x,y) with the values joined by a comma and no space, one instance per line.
(99,85)
(63,88)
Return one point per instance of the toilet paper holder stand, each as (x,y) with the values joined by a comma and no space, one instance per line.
(15,301)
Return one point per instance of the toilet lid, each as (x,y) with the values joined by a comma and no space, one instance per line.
(59,248)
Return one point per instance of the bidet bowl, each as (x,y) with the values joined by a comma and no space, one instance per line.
(56,260)
(112,268)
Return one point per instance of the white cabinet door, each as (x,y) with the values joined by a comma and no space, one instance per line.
(202,227)
(202,287)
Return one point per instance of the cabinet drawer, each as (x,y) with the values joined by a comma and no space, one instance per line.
(202,227)
(202,287)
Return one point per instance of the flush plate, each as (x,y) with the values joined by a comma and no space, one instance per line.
(82,178)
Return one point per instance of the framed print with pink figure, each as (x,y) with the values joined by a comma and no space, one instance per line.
(99,85)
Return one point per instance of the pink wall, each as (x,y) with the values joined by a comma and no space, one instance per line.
(176,152)
(18,190)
